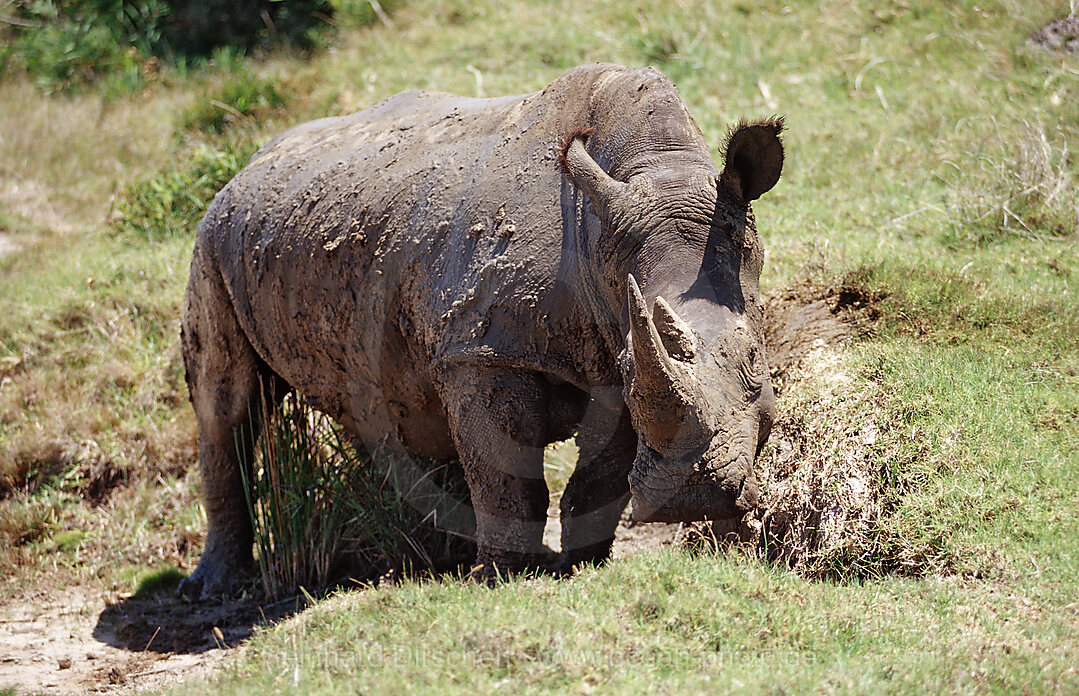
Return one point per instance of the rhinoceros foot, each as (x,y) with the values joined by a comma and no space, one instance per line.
(491,567)
(215,576)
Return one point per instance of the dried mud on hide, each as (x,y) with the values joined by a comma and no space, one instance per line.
(1059,36)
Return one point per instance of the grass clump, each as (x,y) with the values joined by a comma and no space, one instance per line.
(1022,185)
(151,581)
(241,98)
(68,541)
(172,202)
(323,508)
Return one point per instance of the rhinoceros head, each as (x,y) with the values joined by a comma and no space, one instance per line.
(696,379)
(702,406)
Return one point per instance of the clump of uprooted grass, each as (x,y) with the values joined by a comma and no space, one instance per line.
(325,508)
(1020,183)
(828,475)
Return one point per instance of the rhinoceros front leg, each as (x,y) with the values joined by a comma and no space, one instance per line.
(598,490)
(498,422)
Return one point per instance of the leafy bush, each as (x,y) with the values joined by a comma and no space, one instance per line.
(65,43)
(242,97)
(320,505)
(173,202)
(196,29)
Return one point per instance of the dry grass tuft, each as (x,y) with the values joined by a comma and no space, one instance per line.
(324,507)
(1023,186)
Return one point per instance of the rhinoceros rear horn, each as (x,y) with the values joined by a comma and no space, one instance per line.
(587,175)
(753,158)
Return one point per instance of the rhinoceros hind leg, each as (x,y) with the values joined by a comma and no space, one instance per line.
(225,380)
(498,422)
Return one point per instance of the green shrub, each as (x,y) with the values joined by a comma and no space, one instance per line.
(242,97)
(322,507)
(196,29)
(173,202)
(64,44)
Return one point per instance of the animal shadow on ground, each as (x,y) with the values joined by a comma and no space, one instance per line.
(165,623)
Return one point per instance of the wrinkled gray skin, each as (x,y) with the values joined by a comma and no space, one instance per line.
(477,278)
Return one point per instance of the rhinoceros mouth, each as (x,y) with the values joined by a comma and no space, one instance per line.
(664,491)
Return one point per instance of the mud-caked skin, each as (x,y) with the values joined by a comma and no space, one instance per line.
(477,278)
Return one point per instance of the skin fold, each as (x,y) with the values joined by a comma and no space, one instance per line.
(477,278)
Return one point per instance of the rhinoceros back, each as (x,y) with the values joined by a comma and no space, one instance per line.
(407,228)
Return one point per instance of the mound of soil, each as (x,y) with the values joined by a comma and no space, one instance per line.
(819,488)
(1059,36)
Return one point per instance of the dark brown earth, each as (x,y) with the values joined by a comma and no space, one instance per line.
(1059,36)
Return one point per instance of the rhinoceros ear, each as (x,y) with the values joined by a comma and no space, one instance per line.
(753,158)
(587,175)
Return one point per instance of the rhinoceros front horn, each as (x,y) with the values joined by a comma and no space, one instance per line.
(661,398)
(650,360)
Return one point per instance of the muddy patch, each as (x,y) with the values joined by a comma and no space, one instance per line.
(1059,36)
(808,318)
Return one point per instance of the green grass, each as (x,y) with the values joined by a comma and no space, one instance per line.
(667,623)
(157,580)
(172,202)
(927,162)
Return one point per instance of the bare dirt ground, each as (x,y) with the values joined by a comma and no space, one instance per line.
(85,639)
(31,200)
(1059,36)
(61,641)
